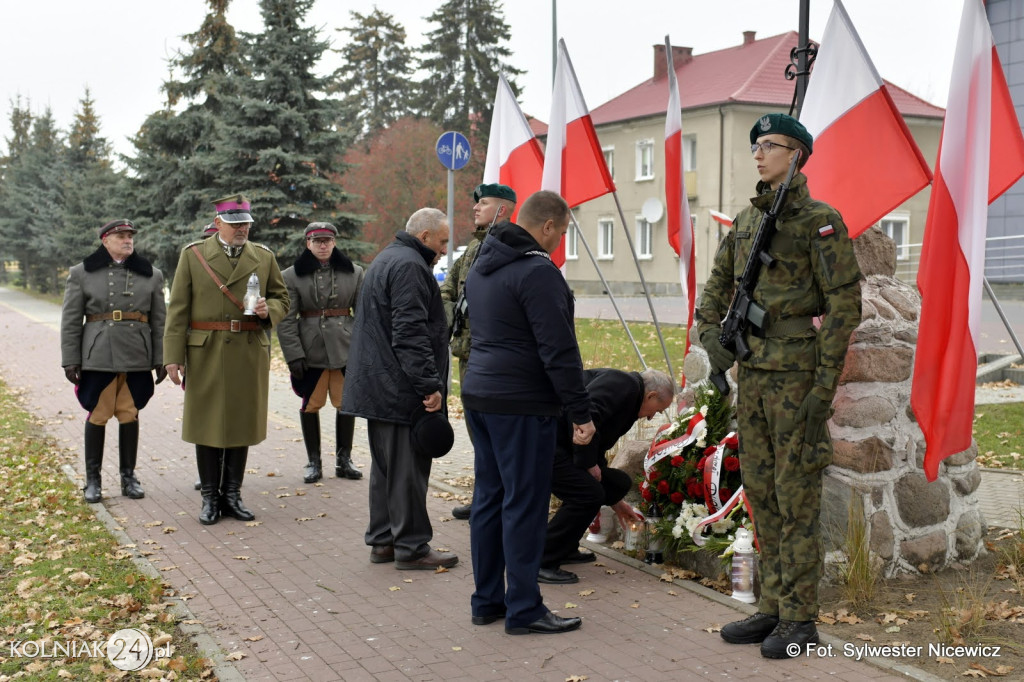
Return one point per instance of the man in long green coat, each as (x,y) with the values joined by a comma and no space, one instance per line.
(220,354)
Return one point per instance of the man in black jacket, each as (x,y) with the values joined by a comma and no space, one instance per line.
(581,477)
(397,367)
(525,369)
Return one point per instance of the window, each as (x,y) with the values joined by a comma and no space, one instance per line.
(645,160)
(605,233)
(897,227)
(609,160)
(689,152)
(643,238)
(571,246)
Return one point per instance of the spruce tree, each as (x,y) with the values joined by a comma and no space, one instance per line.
(463,57)
(376,77)
(282,140)
(11,218)
(175,173)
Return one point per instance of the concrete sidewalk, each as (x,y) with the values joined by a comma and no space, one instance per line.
(295,592)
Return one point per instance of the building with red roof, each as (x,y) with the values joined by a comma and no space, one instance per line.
(722,93)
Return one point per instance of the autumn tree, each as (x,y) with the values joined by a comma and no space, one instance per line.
(376,78)
(398,172)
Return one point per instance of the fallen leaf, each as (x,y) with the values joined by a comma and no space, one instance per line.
(943,659)
(973,673)
(909,596)
(242,557)
(169,529)
(576,678)
(441,569)
(634,606)
(234,656)
(713,628)
(253,523)
(152,524)
(254,638)
(864,637)
(394,588)
(569,605)
(585,593)
(456,648)
(407,580)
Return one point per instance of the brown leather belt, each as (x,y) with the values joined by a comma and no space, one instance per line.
(117,316)
(227,326)
(326,312)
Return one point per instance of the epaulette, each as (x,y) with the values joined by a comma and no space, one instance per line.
(265,248)
(195,243)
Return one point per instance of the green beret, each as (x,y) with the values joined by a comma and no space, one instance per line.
(494,190)
(781,124)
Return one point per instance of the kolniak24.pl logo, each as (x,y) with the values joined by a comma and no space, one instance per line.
(127,649)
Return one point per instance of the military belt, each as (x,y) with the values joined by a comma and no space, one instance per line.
(326,312)
(226,326)
(117,316)
(787,327)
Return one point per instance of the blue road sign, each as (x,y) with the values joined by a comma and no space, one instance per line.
(453,150)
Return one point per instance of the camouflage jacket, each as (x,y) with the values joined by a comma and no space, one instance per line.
(452,286)
(815,275)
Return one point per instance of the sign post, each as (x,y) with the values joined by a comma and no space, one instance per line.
(453,151)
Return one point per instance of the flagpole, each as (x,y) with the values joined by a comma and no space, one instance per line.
(1002,316)
(643,283)
(607,288)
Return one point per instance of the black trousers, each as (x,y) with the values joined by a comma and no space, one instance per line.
(582,496)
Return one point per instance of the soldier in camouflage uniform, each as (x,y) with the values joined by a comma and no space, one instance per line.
(494,204)
(787,385)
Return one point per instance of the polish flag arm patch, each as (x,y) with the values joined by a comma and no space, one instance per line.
(826,231)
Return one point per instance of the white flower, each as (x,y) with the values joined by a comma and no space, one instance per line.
(722,526)
(704,411)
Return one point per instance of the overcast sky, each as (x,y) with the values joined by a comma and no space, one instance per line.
(52,50)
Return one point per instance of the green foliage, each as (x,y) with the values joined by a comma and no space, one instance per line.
(462,58)
(376,77)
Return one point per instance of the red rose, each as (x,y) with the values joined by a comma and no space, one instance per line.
(732,463)
(695,489)
(676,497)
(709,450)
(700,465)
(724,494)
(663,487)
(677,461)
(732,441)
(654,475)
(647,494)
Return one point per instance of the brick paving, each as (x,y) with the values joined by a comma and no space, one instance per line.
(297,595)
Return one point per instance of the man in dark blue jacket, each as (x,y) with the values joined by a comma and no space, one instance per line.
(525,369)
(397,367)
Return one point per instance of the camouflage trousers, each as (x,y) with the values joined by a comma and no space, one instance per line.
(783,480)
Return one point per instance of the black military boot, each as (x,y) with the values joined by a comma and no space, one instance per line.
(128,449)
(94,436)
(310,422)
(344,425)
(231,484)
(208,461)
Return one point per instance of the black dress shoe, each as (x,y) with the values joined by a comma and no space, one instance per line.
(556,576)
(548,624)
(787,633)
(751,630)
(487,620)
(580,557)
(462,513)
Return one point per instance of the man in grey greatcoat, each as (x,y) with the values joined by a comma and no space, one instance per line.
(111,338)
(323,286)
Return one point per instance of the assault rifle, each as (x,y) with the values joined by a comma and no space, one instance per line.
(744,310)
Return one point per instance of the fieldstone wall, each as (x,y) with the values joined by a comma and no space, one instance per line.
(913,525)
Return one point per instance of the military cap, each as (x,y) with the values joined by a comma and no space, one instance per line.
(320,230)
(121,225)
(233,209)
(494,190)
(209,229)
(781,124)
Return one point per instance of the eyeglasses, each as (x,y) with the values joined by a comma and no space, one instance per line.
(322,241)
(767,146)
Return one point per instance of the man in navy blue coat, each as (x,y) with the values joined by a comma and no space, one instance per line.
(525,369)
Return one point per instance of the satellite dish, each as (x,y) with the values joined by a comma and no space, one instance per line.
(652,210)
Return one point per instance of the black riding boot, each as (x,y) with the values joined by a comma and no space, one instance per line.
(208,461)
(94,436)
(310,422)
(128,449)
(231,485)
(343,426)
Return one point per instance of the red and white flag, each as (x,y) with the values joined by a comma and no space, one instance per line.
(720,218)
(865,162)
(981,154)
(574,164)
(514,157)
(680,227)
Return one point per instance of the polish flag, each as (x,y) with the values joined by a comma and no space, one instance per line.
(680,227)
(514,157)
(720,218)
(574,164)
(865,162)
(981,154)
